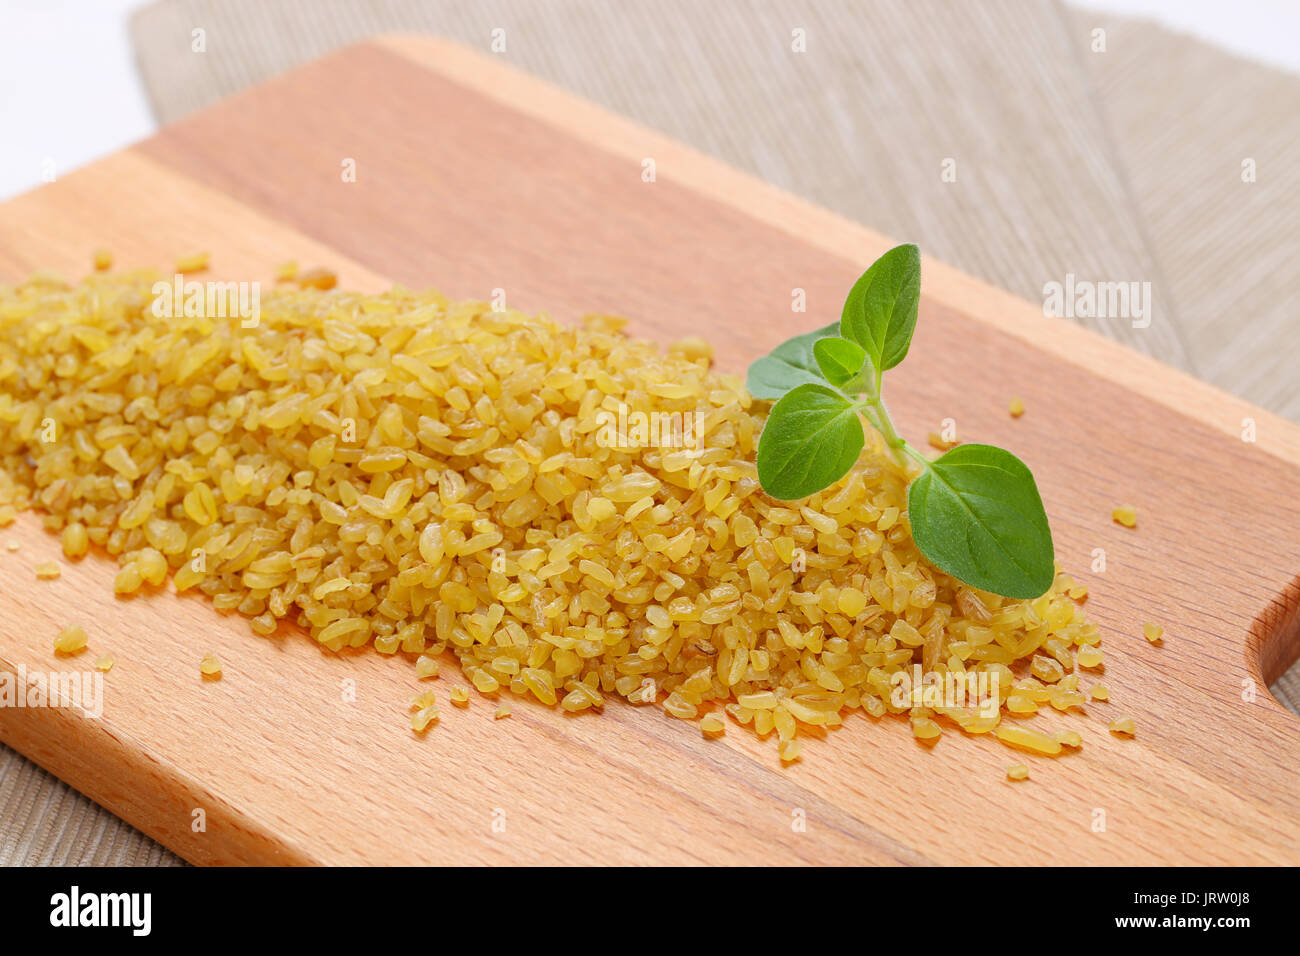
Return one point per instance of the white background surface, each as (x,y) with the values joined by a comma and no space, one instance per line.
(69,91)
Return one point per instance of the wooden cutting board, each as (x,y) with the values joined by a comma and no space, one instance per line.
(472,177)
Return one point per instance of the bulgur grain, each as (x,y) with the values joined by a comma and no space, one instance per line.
(1021,704)
(128,580)
(152,565)
(1069,738)
(195,262)
(75,540)
(1027,739)
(317,278)
(70,640)
(1123,726)
(1046,669)
(925,728)
(424,718)
(1090,657)
(692,349)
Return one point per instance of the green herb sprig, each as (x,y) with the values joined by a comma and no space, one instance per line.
(975,511)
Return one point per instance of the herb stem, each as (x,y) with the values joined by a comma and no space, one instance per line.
(885,425)
(917,456)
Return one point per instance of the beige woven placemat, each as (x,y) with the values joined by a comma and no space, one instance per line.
(1209,145)
(1115,165)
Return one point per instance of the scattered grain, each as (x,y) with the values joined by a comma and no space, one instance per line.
(1126,515)
(426,711)
(1068,738)
(1027,739)
(197,262)
(1123,726)
(70,640)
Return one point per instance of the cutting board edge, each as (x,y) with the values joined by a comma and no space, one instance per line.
(41,734)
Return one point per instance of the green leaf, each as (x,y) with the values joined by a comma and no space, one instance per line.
(839,359)
(880,311)
(812,438)
(788,365)
(976,514)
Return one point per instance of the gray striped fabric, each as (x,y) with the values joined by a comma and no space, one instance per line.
(1122,164)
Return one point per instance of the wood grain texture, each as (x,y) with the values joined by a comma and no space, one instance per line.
(472,177)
